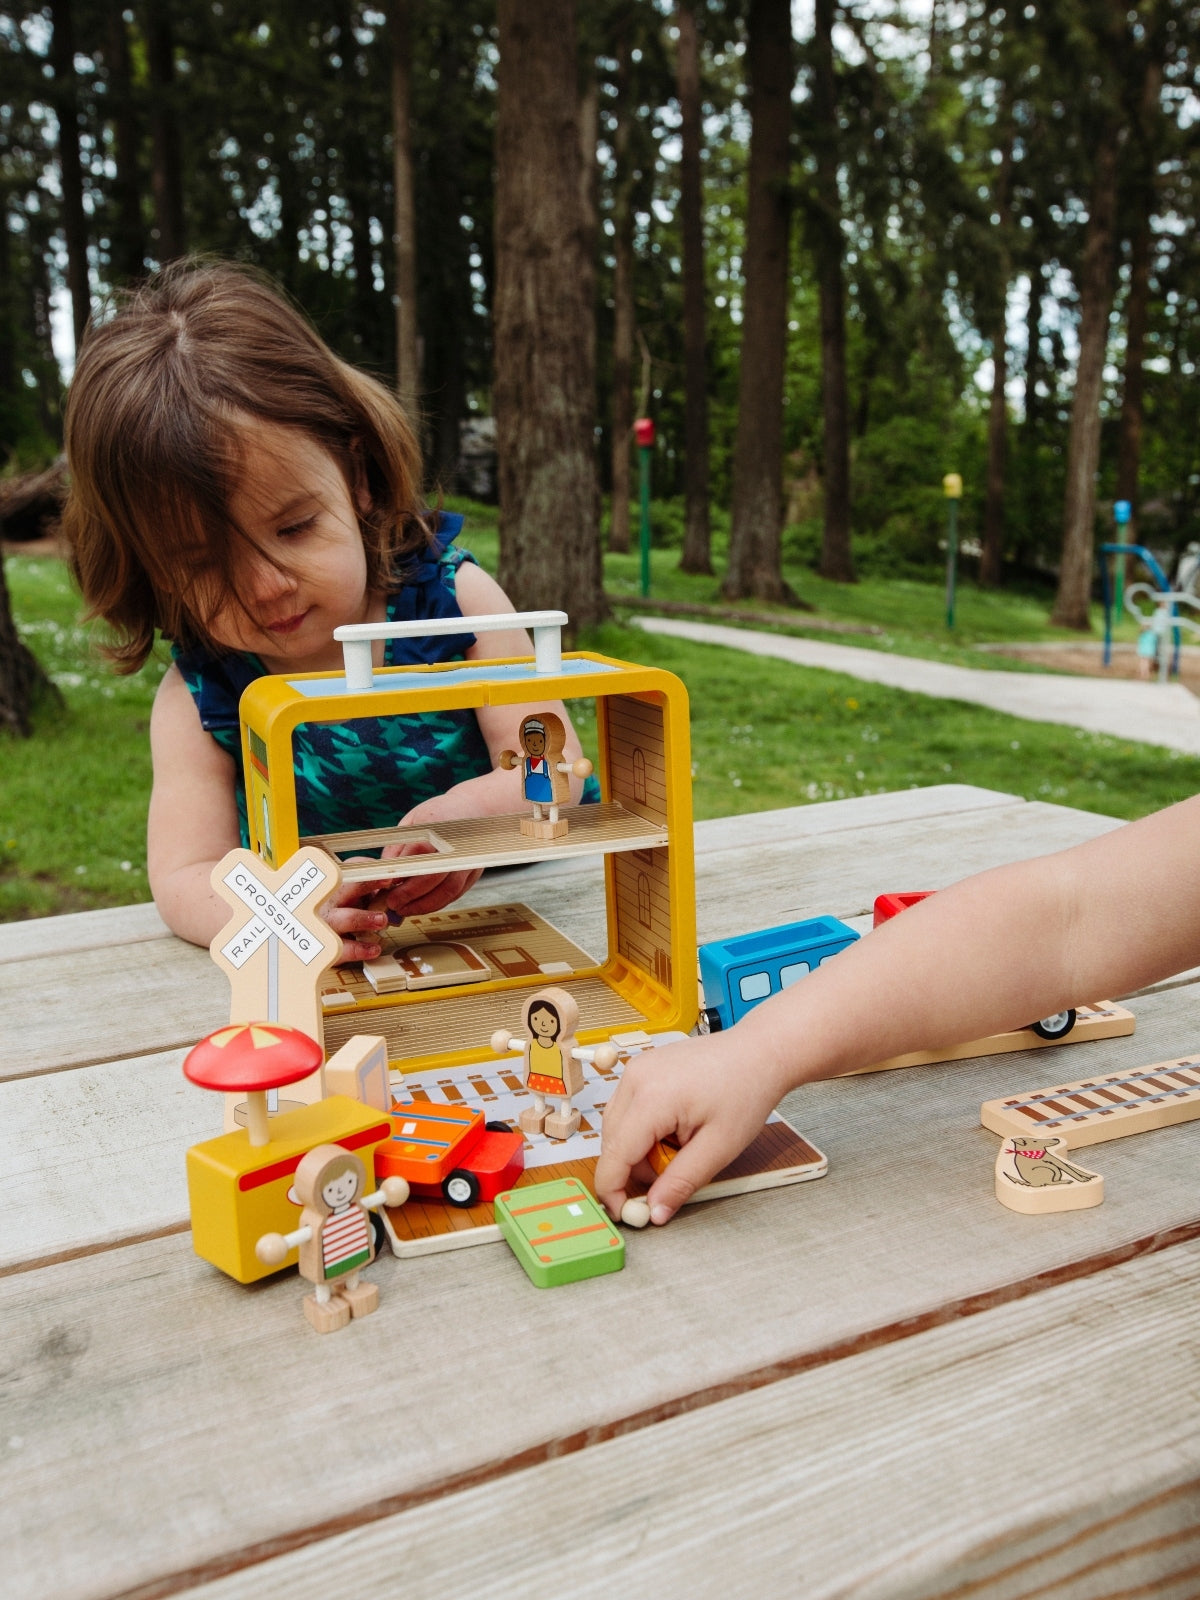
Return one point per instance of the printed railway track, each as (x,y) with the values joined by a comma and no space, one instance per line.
(1105,1107)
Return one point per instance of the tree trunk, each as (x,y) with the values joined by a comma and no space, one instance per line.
(1033,345)
(167,166)
(1096,282)
(9,314)
(66,106)
(623,313)
(404,215)
(441,349)
(836,560)
(356,186)
(991,564)
(129,232)
(1129,440)
(935,38)
(589,202)
(544,392)
(697,538)
(757,522)
(41,313)
(444,293)
(22,680)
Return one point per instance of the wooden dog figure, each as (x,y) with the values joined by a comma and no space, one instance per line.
(1033,1176)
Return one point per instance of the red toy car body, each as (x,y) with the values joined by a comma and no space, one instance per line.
(890,905)
(450,1153)
(887,906)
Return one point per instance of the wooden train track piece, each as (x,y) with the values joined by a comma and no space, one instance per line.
(1104,1020)
(1106,1107)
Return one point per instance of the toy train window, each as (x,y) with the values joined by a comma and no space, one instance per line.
(756,986)
(790,974)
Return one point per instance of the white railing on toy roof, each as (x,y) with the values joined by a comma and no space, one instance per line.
(1164,617)
(356,638)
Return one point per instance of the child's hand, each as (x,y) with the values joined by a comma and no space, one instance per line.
(412,896)
(709,1092)
(357,922)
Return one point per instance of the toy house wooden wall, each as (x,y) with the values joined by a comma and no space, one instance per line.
(635,740)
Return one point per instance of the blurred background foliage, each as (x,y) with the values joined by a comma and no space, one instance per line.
(965,148)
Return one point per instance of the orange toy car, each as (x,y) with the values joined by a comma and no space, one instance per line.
(450,1153)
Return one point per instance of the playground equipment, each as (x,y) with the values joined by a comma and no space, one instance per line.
(1164,618)
(1116,600)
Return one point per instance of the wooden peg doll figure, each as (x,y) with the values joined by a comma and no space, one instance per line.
(545,776)
(552,1061)
(335,1237)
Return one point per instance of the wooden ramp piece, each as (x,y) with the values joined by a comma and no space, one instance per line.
(1105,1020)
(1109,1107)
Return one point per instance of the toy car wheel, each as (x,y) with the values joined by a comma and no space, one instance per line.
(378,1231)
(709,1020)
(497,1127)
(1056,1027)
(461,1188)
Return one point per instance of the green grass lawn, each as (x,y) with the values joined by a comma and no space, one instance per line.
(764,733)
(911,613)
(73,798)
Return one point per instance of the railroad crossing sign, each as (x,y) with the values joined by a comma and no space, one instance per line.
(276,944)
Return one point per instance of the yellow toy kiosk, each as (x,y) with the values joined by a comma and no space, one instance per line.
(642,829)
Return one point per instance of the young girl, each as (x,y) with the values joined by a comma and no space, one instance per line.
(984,956)
(237,487)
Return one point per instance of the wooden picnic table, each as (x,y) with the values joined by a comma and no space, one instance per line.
(880,1383)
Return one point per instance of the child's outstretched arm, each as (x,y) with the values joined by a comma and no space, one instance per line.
(993,952)
(193,822)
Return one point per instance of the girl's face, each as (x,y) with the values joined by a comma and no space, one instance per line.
(341,1190)
(544,1022)
(294,502)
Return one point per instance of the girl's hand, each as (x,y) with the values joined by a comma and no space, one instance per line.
(358,922)
(410,897)
(711,1093)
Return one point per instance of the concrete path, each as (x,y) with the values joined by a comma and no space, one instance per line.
(1162,714)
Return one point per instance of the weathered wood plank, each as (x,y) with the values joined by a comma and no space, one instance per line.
(96,1156)
(135,1117)
(81,930)
(843,871)
(976,1458)
(466,1368)
(861,811)
(128,1124)
(101,930)
(108,1003)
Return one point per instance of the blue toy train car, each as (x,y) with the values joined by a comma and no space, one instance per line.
(737,974)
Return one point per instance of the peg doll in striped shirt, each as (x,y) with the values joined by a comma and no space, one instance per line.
(334,1236)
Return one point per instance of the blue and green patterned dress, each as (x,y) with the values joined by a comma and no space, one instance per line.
(369,772)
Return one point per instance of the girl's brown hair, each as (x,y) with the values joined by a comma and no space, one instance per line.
(153,442)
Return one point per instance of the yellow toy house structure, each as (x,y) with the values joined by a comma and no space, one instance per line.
(642,829)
